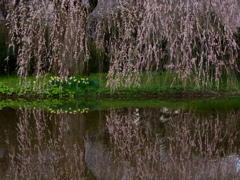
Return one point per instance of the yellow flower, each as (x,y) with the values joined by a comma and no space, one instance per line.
(78,81)
(74,80)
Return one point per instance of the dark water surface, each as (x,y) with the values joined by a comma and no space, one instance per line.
(125,140)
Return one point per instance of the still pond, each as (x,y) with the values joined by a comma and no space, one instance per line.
(122,139)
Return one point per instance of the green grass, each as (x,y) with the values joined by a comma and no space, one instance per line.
(71,106)
(153,83)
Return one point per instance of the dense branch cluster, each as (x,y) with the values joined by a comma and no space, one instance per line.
(193,39)
(49,36)
(186,145)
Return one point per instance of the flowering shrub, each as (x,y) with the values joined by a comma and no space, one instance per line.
(72,85)
(69,82)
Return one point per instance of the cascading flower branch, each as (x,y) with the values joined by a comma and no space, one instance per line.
(48,36)
(193,39)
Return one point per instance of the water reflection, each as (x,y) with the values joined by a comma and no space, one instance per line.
(204,147)
(129,143)
(185,146)
(46,147)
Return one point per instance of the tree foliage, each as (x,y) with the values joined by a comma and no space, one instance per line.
(191,38)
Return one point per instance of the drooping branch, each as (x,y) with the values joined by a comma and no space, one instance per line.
(196,36)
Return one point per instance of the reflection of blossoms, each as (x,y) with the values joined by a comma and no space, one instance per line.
(45,148)
(130,143)
(190,146)
(69,110)
(135,143)
(201,146)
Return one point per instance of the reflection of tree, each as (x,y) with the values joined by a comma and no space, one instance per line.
(136,145)
(8,117)
(142,146)
(45,148)
(198,147)
(203,147)
(100,161)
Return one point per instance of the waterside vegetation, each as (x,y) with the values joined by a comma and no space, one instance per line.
(85,105)
(95,85)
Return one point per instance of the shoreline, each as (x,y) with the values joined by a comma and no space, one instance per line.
(147,95)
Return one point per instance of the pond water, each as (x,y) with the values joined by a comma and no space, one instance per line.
(120,139)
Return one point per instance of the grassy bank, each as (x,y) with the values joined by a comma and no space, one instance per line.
(152,84)
(71,106)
